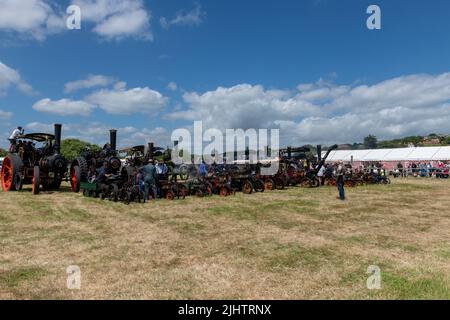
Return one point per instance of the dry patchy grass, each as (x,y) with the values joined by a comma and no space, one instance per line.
(292,244)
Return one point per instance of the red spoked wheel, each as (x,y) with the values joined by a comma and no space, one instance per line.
(35,181)
(75,177)
(223,192)
(11,178)
(269,184)
(7,175)
(169,195)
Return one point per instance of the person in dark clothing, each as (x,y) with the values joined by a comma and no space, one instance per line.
(161,175)
(102,175)
(104,172)
(149,173)
(203,171)
(340,172)
(400,169)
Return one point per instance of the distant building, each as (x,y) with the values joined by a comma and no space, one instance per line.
(431,141)
(344,147)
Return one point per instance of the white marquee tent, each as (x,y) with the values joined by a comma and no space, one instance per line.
(402,154)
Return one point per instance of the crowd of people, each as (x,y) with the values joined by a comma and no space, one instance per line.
(149,177)
(422,169)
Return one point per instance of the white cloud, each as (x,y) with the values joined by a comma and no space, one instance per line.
(116,100)
(110,19)
(117,19)
(98,133)
(10,77)
(137,100)
(172,86)
(31,18)
(120,85)
(5,115)
(159,135)
(64,107)
(39,127)
(243,106)
(193,17)
(324,112)
(92,81)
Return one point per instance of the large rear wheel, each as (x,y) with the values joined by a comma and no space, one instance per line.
(11,167)
(35,181)
(75,178)
(83,165)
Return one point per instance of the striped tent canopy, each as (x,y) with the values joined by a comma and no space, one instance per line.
(401,154)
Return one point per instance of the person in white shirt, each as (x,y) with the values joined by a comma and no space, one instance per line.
(320,175)
(14,135)
(161,174)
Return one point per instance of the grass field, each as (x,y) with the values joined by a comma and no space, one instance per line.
(292,244)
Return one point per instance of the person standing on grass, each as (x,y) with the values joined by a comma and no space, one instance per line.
(321,174)
(161,174)
(149,174)
(203,170)
(340,172)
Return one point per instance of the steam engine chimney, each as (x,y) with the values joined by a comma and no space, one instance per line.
(151,150)
(113,139)
(319,152)
(58,128)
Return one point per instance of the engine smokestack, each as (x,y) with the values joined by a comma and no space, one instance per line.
(113,139)
(319,152)
(58,129)
(151,150)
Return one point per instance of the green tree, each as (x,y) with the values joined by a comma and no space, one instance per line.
(389,144)
(446,140)
(371,142)
(3,152)
(71,148)
(415,140)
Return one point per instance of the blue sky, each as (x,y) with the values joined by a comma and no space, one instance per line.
(310,68)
